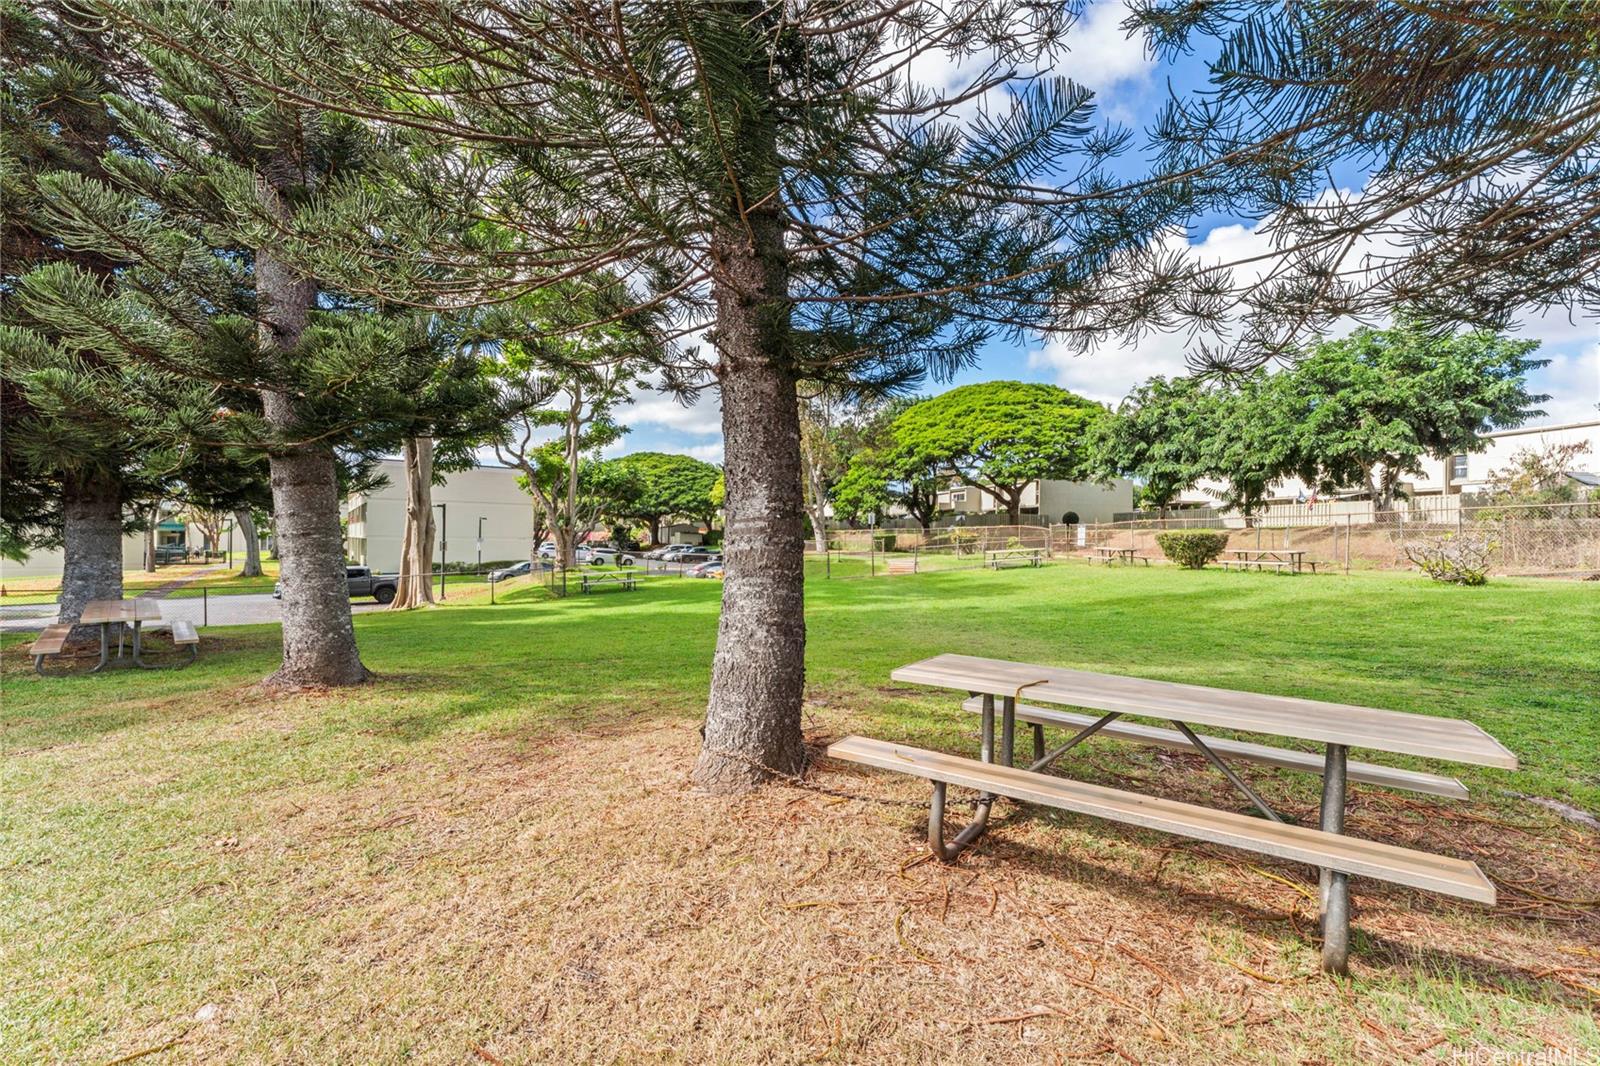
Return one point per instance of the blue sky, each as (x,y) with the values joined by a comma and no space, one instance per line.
(1130,88)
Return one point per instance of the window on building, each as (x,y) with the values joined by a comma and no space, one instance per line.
(958,497)
(1458,468)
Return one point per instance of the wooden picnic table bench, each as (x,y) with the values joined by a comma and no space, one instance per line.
(999,557)
(49,642)
(1111,555)
(1337,726)
(1292,559)
(627,580)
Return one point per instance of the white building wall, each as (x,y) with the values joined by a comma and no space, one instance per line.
(1091,502)
(376,523)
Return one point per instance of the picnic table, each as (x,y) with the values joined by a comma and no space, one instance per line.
(108,613)
(625,579)
(999,557)
(1112,555)
(1291,559)
(1337,727)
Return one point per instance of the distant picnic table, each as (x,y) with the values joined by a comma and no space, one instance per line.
(999,557)
(1111,555)
(1291,559)
(1337,727)
(625,579)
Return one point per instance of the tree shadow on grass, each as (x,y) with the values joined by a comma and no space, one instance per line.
(1376,956)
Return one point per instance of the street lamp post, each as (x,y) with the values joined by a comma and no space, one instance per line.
(480,544)
(443,544)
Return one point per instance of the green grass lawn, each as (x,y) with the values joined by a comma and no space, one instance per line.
(143,816)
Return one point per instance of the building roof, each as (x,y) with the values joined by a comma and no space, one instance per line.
(1583,477)
(1521,430)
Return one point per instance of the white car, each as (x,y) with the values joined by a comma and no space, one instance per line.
(606,556)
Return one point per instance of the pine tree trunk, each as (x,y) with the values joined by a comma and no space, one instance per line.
(752,722)
(319,641)
(416,547)
(91,510)
(252,544)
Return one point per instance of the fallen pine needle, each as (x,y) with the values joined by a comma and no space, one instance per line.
(158,1049)
(487,1056)
(899,931)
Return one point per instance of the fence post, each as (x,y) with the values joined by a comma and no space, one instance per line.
(916,555)
(1348,518)
(205,607)
(827,564)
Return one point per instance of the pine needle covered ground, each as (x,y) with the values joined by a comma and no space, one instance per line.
(492,855)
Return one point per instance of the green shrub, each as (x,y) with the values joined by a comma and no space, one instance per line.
(1192,549)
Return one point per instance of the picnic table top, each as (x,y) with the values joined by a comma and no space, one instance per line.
(1452,739)
(1264,551)
(1110,550)
(140,609)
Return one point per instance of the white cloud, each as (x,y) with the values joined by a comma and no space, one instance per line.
(711,453)
(651,407)
(1099,55)
(1573,382)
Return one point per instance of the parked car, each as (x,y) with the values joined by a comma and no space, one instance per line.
(696,553)
(710,568)
(362,582)
(666,552)
(604,555)
(524,567)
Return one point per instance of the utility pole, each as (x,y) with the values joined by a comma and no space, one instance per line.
(443,515)
(480,544)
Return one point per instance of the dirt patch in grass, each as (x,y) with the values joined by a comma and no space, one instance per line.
(532,900)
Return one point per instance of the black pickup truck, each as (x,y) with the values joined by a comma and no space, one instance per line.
(363,582)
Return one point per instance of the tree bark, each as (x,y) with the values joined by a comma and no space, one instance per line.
(319,640)
(91,511)
(752,725)
(252,543)
(416,544)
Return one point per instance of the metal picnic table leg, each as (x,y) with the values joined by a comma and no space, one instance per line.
(1335,887)
(1008,730)
(136,645)
(105,648)
(980,820)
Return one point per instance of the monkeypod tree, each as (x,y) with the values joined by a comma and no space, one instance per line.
(1366,409)
(667,486)
(999,435)
(1158,436)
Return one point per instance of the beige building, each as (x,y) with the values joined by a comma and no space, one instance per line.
(485,500)
(1047,501)
(172,531)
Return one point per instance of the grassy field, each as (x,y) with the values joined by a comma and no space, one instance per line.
(491,854)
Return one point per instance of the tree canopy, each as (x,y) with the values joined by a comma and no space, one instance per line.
(1365,410)
(998,435)
(666,486)
(1160,435)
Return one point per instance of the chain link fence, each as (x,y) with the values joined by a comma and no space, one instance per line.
(1529,539)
